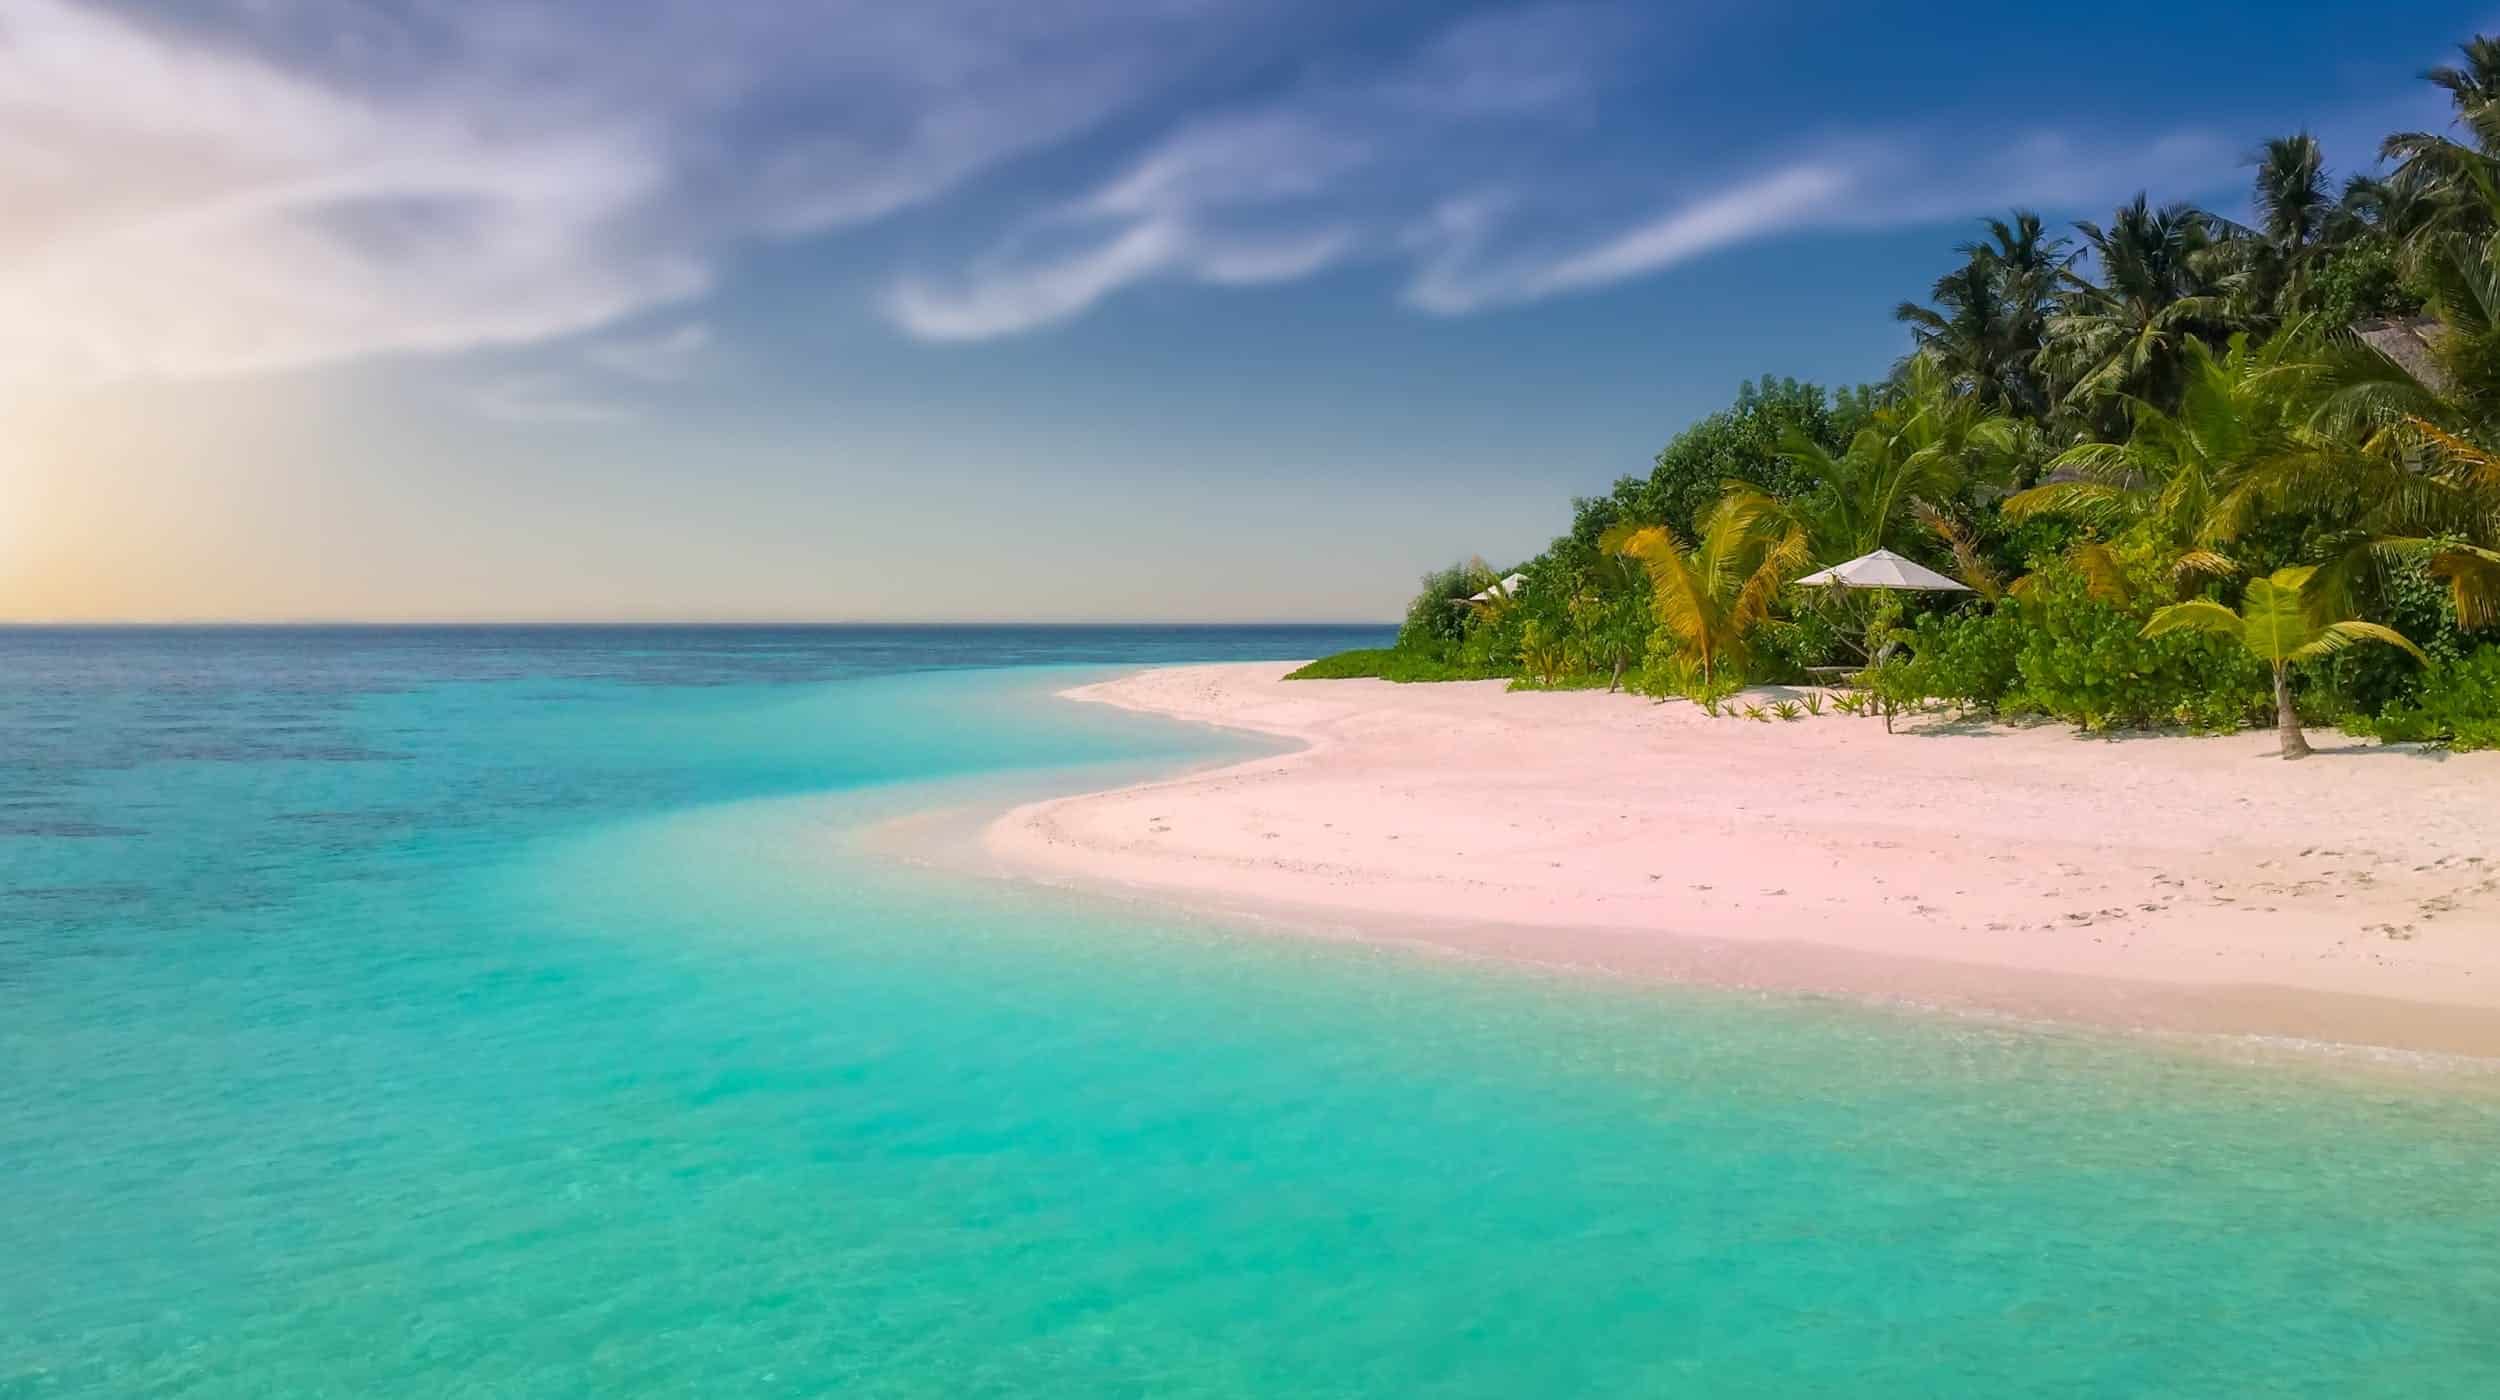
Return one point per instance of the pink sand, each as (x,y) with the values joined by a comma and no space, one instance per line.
(2196,883)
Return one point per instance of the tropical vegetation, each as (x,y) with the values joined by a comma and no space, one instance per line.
(2182,461)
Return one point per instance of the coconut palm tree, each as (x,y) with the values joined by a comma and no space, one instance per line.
(2414,491)
(2276,625)
(2294,207)
(1990,315)
(2266,270)
(2453,176)
(2120,336)
(2398,205)
(2190,474)
(1927,446)
(1710,597)
(2474,88)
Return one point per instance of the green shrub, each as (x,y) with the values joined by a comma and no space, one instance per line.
(2363,280)
(2367,681)
(2089,663)
(1969,658)
(1543,657)
(1388,664)
(1783,650)
(2068,655)
(2459,702)
(1436,621)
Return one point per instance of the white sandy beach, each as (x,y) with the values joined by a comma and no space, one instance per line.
(2170,882)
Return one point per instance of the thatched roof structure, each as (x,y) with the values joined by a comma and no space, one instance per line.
(2407,341)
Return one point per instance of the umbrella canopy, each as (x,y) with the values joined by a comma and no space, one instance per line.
(1508,588)
(1883,569)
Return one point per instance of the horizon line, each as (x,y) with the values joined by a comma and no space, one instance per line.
(70,624)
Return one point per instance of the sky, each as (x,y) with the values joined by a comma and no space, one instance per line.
(1128,310)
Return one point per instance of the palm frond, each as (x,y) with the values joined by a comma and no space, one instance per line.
(2478,467)
(2336,636)
(1980,574)
(2195,615)
(2473,576)
(2104,573)
(2084,499)
(2200,564)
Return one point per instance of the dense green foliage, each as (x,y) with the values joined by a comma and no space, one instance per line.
(2068,654)
(1746,441)
(2458,702)
(1388,664)
(2179,481)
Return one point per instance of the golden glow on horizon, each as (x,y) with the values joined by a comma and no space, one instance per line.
(330,498)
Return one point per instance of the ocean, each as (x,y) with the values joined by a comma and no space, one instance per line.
(517,1012)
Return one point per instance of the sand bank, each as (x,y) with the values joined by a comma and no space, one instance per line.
(2170,882)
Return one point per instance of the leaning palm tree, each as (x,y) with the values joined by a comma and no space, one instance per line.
(2276,625)
(1712,596)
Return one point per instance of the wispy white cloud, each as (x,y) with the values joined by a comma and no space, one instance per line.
(1275,191)
(1453,280)
(249,185)
(180,210)
(1474,172)
(232,186)
(1034,292)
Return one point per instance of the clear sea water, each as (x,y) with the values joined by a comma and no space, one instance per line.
(506,1013)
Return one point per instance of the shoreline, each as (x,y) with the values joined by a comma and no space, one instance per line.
(2148,883)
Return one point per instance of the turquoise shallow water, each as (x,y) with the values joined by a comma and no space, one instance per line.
(506,1014)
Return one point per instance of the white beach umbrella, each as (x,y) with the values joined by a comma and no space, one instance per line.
(1883,569)
(1507,588)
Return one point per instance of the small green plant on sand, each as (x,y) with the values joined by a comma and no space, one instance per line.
(1788,709)
(1893,688)
(1756,712)
(2279,627)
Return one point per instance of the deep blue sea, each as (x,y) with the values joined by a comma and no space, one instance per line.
(509,1013)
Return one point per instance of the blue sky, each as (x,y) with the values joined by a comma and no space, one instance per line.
(965,309)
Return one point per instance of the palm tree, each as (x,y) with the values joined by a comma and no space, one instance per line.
(2120,336)
(1713,595)
(2398,205)
(2275,624)
(2193,474)
(2409,469)
(1990,316)
(2446,512)
(2474,89)
(1924,448)
(2294,208)
(2266,270)
(2452,174)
